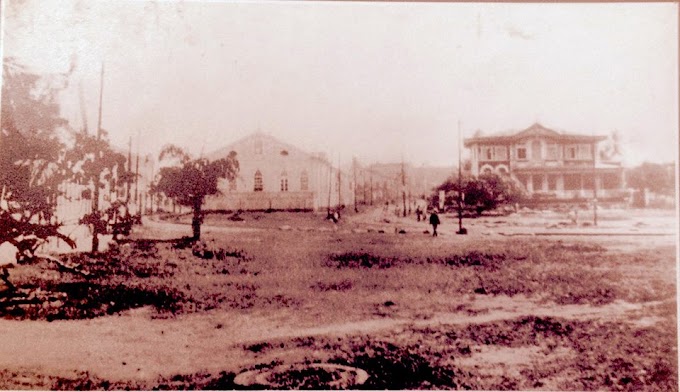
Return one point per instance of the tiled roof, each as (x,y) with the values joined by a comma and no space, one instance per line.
(534,129)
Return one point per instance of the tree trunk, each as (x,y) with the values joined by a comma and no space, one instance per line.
(196,220)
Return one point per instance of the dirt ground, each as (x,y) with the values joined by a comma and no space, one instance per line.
(528,301)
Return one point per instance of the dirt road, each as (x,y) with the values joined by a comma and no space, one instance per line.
(135,346)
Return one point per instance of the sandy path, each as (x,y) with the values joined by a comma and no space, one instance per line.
(176,230)
(134,346)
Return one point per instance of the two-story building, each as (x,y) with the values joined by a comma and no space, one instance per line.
(549,164)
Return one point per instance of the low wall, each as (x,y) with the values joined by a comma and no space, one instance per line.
(576,196)
(261,201)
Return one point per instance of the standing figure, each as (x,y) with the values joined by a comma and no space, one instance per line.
(434,221)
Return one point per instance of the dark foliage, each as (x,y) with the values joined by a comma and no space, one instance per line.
(31,160)
(189,181)
(658,178)
(93,160)
(483,193)
(361,260)
(398,367)
(83,300)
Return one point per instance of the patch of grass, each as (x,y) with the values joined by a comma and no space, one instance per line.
(561,284)
(363,260)
(529,330)
(343,285)
(223,382)
(599,355)
(580,247)
(145,272)
(83,300)
(259,347)
(207,251)
(303,379)
(579,273)
(473,259)
(622,357)
(399,367)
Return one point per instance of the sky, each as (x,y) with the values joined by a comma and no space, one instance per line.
(377,81)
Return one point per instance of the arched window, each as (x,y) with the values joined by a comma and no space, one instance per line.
(304,181)
(486,169)
(284,181)
(259,184)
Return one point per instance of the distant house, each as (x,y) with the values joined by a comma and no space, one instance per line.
(549,164)
(279,176)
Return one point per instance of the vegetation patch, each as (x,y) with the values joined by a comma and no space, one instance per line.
(259,347)
(530,330)
(205,251)
(579,247)
(561,284)
(570,355)
(362,260)
(401,367)
(171,276)
(565,273)
(304,378)
(82,300)
(343,285)
(473,259)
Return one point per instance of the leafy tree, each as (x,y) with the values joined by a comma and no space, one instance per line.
(31,159)
(483,193)
(651,177)
(188,181)
(93,160)
(656,177)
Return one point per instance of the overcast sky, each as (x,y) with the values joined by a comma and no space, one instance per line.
(373,80)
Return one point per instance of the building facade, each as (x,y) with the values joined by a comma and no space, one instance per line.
(549,164)
(279,176)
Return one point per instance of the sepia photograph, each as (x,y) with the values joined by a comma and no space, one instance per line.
(313,195)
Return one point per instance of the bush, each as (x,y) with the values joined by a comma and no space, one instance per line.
(483,193)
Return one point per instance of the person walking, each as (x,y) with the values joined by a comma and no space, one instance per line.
(434,221)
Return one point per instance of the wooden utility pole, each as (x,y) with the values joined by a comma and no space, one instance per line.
(97,156)
(150,191)
(129,170)
(330,186)
(461,230)
(354,167)
(370,175)
(138,202)
(339,183)
(363,177)
(403,185)
(594,185)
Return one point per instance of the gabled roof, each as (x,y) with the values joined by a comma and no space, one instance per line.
(224,151)
(535,129)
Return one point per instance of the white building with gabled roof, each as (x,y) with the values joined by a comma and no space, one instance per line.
(279,176)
